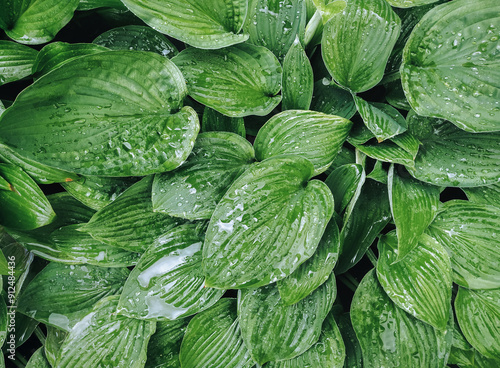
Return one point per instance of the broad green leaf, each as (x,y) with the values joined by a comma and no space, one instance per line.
(378,173)
(315,271)
(313,135)
(168,282)
(481,361)
(94,4)
(272,330)
(129,221)
(25,326)
(204,24)
(24,206)
(298,81)
(38,360)
(420,283)
(407,142)
(53,343)
(194,189)
(34,22)
(61,295)
(387,152)
(357,43)
(213,339)
(329,351)
(383,120)
(353,354)
(345,156)
(409,3)
(478,314)
(331,99)
(489,194)
(165,345)
(269,222)
(344,181)
(461,353)
(413,206)
(236,81)
(140,38)
(5,185)
(328,8)
(94,115)
(103,339)
(16,61)
(395,95)
(389,337)
(22,259)
(451,65)
(469,233)
(214,121)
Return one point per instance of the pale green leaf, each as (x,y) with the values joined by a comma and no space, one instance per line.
(53,342)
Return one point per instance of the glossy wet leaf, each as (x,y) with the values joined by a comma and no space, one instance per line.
(16,61)
(237,81)
(407,142)
(298,81)
(387,152)
(378,173)
(450,65)
(489,194)
(38,360)
(214,121)
(331,99)
(129,221)
(410,3)
(53,342)
(328,8)
(107,114)
(213,339)
(389,337)
(272,330)
(165,344)
(168,282)
(61,295)
(194,189)
(421,282)
(93,4)
(269,221)
(35,22)
(313,135)
(203,24)
(103,339)
(371,28)
(478,314)
(413,205)
(23,206)
(344,181)
(469,233)
(353,354)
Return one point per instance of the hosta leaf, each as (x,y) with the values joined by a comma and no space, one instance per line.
(315,271)
(489,194)
(478,314)
(387,152)
(94,114)
(269,221)
(168,281)
(409,3)
(4,320)
(129,221)
(331,99)
(55,338)
(481,361)
(236,81)
(413,205)
(378,173)
(272,330)
(34,22)
(395,95)
(451,65)
(140,38)
(214,121)
(213,339)
(94,4)
(371,28)
(328,8)
(391,338)
(61,295)
(24,206)
(469,233)
(103,339)
(298,80)
(165,345)
(353,354)
(407,142)
(38,360)
(16,61)
(194,189)
(344,181)
(420,283)
(313,135)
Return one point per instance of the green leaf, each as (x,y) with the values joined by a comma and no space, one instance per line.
(94,4)
(4,320)
(378,173)
(395,95)
(489,194)
(452,157)
(328,8)
(214,121)
(204,24)
(236,81)
(481,361)
(38,360)
(273,331)
(407,142)
(165,345)
(129,221)
(140,38)
(409,3)
(53,343)
(469,232)
(413,206)
(61,295)
(421,283)
(94,115)
(213,339)
(168,281)
(269,221)
(383,120)
(315,271)
(344,181)
(24,206)
(387,152)
(298,81)
(331,99)
(478,314)
(35,22)
(391,338)
(451,65)
(353,354)
(313,135)
(16,61)
(4,268)
(102,339)
(194,189)
(357,43)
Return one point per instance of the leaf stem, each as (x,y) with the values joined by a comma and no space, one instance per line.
(18,362)
(39,333)
(371,256)
(312,26)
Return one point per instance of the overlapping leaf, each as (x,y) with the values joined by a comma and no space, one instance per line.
(410,3)
(53,342)
(344,181)
(214,121)
(165,344)
(489,194)
(16,61)
(331,99)
(38,360)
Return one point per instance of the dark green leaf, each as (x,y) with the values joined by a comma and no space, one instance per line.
(353,354)
(16,61)
(93,4)
(53,343)
(409,3)
(215,121)
(378,173)
(165,345)
(344,181)
(331,99)
(489,194)
(4,320)
(38,360)
(407,142)
(396,96)
(387,152)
